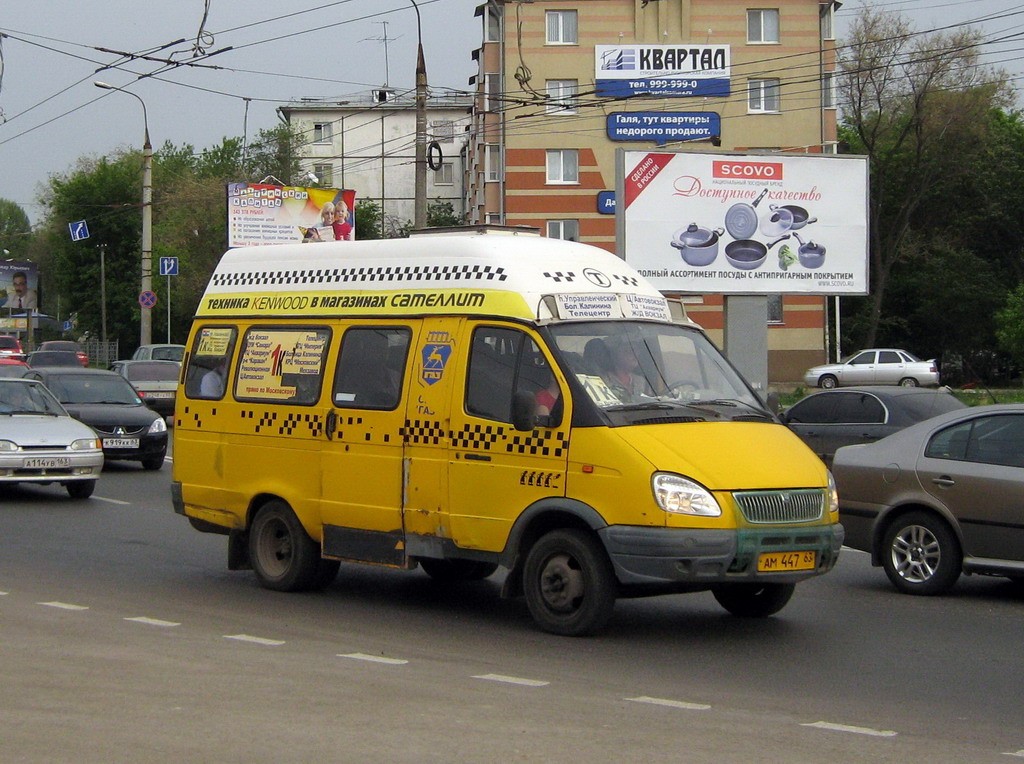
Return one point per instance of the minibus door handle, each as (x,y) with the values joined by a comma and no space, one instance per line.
(330,424)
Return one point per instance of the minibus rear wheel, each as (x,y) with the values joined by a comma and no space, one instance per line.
(282,554)
(569,583)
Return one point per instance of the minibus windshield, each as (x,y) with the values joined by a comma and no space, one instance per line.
(634,365)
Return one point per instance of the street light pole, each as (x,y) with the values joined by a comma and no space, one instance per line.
(146,318)
(420,202)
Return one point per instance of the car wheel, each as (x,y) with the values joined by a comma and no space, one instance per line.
(569,583)
(828,382)
(908,382)
(153,463)
(920,554)
(753,600)
(452,571)
(282,554)
(80,489)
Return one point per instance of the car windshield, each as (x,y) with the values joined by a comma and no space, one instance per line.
(88,388)
(25,397)
(170,353)
(633,365)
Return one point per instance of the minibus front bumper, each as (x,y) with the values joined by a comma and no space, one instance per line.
(651,556)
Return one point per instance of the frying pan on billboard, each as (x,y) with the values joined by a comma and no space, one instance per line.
(728,223)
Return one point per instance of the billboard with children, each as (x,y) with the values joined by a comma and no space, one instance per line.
(260,213)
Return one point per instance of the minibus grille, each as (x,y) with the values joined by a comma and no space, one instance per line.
(800,506)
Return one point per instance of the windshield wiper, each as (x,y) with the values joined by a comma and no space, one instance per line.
(734,403)
(640,407)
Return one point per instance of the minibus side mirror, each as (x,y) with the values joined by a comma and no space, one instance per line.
(523,407)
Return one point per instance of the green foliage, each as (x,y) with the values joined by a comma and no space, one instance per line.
(14,229)
(1010,325)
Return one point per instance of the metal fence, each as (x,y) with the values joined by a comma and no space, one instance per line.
(101,353)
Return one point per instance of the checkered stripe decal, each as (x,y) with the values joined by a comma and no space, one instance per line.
(558,277)
(311,424)
(539,443)
(423,432)
(630,280)
(381,274)
(478,436)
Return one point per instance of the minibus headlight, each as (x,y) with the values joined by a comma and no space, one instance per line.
(159,425)
(676,494)
(833,495)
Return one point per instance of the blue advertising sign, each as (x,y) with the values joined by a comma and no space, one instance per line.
(662,127)
(606,202)
(621,71)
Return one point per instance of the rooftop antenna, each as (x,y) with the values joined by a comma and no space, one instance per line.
(384,39)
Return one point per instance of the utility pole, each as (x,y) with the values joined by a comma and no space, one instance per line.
(420,202)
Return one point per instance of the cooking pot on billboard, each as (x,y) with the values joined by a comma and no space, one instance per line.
(810,254)
(697,245)
(741,218)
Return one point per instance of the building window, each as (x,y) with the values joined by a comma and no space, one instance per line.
(492,26)
(569,230)
(492,92)
(828,90)
(562,96)
(775,309)
(322,132)
(442,130)
(324,174)
(562,28)
(445,175)
(494,218)
(827,17)
(563,166)
(763,25)
(762,96)
(492,163)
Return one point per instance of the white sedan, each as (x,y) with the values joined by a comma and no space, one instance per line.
(875,366)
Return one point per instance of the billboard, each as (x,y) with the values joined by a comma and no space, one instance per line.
(19,286)
(745,223)
(672,71)
(259,213)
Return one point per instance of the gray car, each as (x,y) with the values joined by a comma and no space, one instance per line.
(938,499)
(875,366)
(40,442)
(830,419)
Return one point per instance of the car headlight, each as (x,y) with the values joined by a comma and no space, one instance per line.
(833,495)
(676,494)
(8,445)
(86,444)
(159,425)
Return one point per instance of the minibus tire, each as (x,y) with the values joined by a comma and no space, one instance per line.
(753,600)
(569,583)
(282,554)
(453,571)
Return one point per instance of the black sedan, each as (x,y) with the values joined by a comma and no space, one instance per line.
(830,419)
(105,401)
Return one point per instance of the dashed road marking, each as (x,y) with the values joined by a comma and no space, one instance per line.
(63,605)
(512,680)
(1018,754)
(374,658)
(850,728)
(255,640)
(112,501)
(152,621)
(671,703)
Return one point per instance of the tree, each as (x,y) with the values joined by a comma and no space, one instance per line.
(1010,325)
(916,104)
(14,228)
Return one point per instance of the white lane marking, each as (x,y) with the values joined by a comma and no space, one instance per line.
(512,680)
(112,501)
(850,728)
(1018,754)
(3,594)
(63,605)
(670,703)
(255,640)
(373,658)
(152,621)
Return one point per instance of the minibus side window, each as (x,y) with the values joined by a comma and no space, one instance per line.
(371,368)
(282,364)
(209,362)
(503,362)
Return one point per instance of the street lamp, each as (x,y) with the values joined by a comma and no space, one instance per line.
(420,202)
(146,319)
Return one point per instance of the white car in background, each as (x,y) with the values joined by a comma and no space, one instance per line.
(875,366)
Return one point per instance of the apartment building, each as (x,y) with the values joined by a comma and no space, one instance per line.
(542,146)
(369,145)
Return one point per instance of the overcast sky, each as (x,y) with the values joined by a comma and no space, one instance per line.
(51,114)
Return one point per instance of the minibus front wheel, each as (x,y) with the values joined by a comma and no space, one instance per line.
(282,554)
(753,600)
(569,583)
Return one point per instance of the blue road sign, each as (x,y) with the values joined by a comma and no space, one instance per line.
(147,299)
(168,266)
(79,230)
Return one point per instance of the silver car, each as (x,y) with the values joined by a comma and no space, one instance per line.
(875,366)
(40,442)
(939,498)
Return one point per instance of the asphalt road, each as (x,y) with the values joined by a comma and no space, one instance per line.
(123,637)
